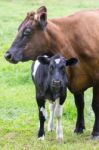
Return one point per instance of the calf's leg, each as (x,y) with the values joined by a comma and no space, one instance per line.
(51,123)
(42,116)
(95,106)
(58,114)
(79,102)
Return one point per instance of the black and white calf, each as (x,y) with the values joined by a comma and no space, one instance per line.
(50,79)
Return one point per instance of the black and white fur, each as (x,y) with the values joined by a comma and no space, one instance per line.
(50,79)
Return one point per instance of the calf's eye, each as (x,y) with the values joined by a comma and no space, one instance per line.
(51,68)
(62,68)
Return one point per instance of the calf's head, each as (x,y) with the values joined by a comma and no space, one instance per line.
(31,38)
(57,76)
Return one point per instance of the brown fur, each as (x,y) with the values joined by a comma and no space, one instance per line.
(73,36)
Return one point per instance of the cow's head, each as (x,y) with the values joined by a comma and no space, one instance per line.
(31,39)
(57,76)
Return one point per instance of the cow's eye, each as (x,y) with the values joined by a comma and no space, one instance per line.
(27,32)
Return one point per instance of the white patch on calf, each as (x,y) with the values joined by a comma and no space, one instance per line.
(41,138)
(44,112)
(45,56)
(58,109)
(58,114)
(57,61)
(51,123)
(36,65)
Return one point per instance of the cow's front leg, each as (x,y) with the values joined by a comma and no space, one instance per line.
(95,106)
(42,117)
(51,119)
(80,124)
(58,114)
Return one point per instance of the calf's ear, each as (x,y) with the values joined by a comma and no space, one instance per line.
(43,60)
(71,61)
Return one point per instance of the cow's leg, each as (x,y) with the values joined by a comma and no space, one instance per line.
(79,101)
(51,123)
(95,106)
(58,114)
(42,116)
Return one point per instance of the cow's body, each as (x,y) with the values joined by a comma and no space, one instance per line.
(80,38)
(73,36)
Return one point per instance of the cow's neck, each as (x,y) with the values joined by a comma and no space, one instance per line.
(57,41)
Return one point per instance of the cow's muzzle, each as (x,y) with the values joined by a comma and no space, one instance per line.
(9,57)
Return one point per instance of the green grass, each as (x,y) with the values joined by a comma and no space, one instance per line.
(18,109)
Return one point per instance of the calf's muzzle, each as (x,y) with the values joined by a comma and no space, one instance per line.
(56,83)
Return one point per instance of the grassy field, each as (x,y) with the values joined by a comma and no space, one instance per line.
(18,109)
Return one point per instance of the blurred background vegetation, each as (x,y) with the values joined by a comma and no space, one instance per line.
(18,109)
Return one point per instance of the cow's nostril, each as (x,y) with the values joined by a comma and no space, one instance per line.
(8,56)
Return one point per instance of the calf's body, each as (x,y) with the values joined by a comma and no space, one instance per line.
(50,81)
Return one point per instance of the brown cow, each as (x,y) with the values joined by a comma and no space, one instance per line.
(73,36)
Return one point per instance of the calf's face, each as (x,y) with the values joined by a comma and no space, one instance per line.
(57,76)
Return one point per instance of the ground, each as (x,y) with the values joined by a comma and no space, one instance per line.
(18,109)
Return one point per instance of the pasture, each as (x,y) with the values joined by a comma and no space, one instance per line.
(18,109)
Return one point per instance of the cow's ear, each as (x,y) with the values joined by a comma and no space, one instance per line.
(43,60)
(41,17)
(42,20)
(42,9)
(71,61)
